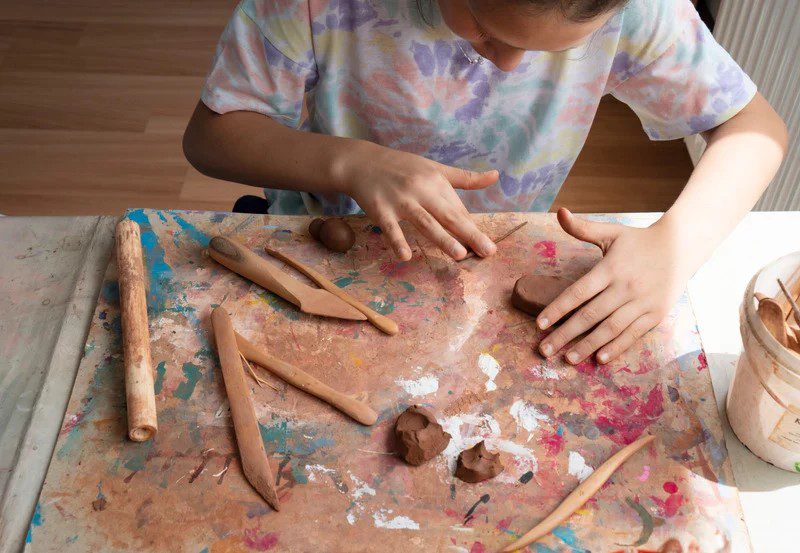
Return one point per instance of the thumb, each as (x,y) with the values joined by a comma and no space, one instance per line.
(599,234)
(469,180)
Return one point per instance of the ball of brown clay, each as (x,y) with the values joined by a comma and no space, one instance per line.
(336,235)
(478,464)
(532,293)
(671,546)
(313,227)
(419,437)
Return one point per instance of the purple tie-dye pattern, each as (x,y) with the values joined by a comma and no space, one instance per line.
(423,57)
(374,71)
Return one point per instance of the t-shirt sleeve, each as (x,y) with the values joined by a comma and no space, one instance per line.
(264,61)
(672,72)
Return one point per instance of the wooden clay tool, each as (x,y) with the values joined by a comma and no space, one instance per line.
(792,291)
(792,303)
(579,495)
(471,254)
(381,322)
(356,409)
(139,392)
(255,463)
(241,260)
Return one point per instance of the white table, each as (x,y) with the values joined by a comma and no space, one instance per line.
(51,274)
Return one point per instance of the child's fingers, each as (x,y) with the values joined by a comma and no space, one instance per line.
(393,235)
(614,325)
(587,317)
(624,341)
(454,217)
(468,180)
(599,234)
(578,293)
(433,231)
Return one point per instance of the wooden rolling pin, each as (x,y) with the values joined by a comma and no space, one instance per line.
(255,463)
(139,392)
(356,409)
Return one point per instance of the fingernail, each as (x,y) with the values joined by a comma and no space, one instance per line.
(547,349)
(488,247)
(572,357)
(543,322)
(602,357)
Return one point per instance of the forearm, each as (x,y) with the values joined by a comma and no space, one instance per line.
(250,148)
(741,158)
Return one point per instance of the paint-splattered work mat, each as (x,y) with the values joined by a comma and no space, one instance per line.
(462,349)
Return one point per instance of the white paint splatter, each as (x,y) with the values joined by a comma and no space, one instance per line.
(397,523)
(527,415)
(577,466)
(422,386)
(361,487)
(351,518)
(491,368)
(544,372)
(312,471)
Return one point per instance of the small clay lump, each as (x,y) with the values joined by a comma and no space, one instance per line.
(478,464)
(335,234)
(419,437)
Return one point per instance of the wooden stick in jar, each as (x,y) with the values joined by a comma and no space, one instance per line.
(139,391)
(255,463)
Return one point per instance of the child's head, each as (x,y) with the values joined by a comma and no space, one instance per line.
(502,30)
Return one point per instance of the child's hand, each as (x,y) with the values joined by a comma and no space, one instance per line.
(393,186)
(626,294)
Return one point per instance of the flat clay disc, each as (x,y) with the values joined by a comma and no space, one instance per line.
(532,293)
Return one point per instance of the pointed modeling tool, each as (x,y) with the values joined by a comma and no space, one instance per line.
(244,262)
(255,463)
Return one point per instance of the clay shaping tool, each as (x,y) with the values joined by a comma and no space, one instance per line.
(579,495)
(792,303)
(139,392)
(241,260)
(471,254)
(792,291)
(356,409)
(771,314)
(255,463)
(381,322)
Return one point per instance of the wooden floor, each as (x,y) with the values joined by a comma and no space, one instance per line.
(95,94)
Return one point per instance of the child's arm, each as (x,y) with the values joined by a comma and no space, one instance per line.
(389,185)
(644,271)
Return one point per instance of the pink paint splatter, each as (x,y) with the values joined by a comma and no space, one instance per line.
(670,487)
(72,422)
(547,251)
(645,473)
(395,268)
(703,362)
(477,547)
(553,442)
(504,523)
(669,508)
(260,542)
(624,422)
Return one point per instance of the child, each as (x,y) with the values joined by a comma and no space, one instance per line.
(426,110)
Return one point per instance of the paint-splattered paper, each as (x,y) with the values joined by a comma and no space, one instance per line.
(462,350)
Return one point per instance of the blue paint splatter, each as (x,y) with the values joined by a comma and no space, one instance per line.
(36,520)
(159,272)
(185,389)
(161,371)
(567,535)
(190,230)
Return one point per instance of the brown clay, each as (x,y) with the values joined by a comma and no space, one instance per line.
(478,464)
(419,437)
(335,234)
(313,227)
(532,293)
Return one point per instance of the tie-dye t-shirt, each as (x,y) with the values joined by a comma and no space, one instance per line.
(391,72)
